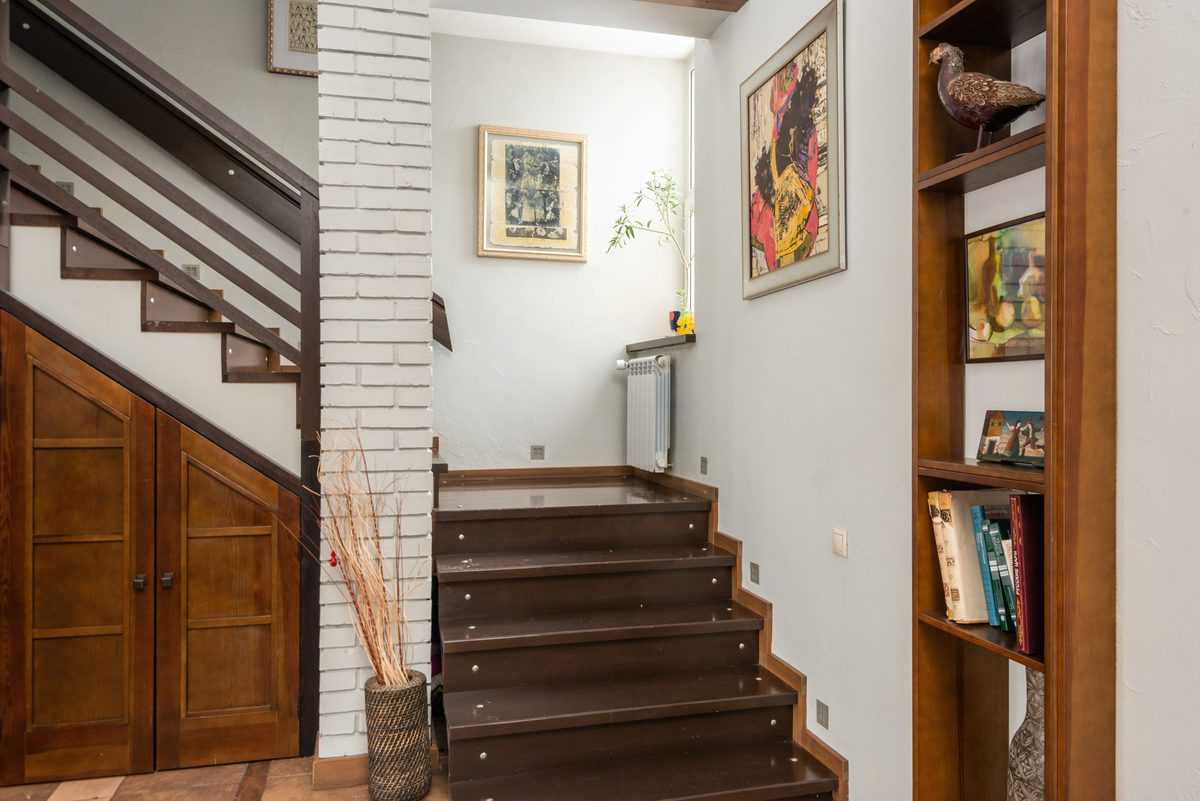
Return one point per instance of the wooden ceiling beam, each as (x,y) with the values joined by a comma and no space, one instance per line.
(731,6)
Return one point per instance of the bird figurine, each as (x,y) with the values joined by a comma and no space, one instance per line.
(979,101)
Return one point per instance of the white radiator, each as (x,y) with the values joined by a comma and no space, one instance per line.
(648,407)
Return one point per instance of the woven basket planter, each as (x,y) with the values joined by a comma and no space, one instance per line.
(399,766)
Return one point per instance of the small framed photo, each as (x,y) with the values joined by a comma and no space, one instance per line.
(1014,438)
(292,37)
(1007,292)
(532,194)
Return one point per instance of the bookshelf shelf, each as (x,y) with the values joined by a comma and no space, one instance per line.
(983,474)
(986,637)
(961,674)
(1008,158)
(996,23)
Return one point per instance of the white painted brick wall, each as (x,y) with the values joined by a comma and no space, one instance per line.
(376,337)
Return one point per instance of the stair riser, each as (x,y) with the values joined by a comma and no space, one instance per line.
(538,751)
(240,352)
(84,257)
(569,533)
(553,594)
(162,307)
(598,660)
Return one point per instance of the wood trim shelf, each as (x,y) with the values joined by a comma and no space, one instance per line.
(960,672)
(659,344)
(994,23)
(985,637)
(1008,158)
(983,474)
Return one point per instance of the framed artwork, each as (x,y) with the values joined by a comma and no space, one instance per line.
(1007,292)
(1014,438)
(532,194)
(793,161)
(292,37)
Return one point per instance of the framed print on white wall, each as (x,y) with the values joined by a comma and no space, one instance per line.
(794,161)
(292,37)
(532,194)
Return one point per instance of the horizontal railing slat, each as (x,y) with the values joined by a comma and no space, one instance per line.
(150,72)
(158,183)
(75,207)
(111,189)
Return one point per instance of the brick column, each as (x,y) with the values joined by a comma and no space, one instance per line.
(376,334)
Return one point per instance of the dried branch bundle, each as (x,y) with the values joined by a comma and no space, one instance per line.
(351,526)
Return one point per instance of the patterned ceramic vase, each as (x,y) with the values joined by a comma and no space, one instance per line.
(1027,754)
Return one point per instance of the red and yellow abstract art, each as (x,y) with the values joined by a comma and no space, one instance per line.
(789,163)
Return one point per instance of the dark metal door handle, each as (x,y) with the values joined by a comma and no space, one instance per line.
(139,582)
(168,580)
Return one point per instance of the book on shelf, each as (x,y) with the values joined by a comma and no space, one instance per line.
(990,554)
(939,539)
(958,534)
(1028,521)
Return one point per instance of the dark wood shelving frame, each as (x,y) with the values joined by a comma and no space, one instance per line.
(960,672)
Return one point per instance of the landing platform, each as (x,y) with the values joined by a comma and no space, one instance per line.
(474,499)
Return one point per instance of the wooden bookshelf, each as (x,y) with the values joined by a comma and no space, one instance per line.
(960,673)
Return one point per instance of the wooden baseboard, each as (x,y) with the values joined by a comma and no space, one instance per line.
(452,477)
(785,673)
(332,773)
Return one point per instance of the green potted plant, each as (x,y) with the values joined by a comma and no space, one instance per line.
(661,193)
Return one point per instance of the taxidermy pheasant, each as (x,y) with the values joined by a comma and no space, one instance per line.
(977,100)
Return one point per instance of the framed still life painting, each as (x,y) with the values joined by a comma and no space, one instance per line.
(532,194)
(1007,292)
(793,161)
(292,37)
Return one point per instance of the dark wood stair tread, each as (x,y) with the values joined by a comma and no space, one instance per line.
(460,636)
(476,500)
(517,710)
(761,773)
(499,566)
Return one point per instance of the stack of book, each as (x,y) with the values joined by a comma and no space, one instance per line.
(990,550)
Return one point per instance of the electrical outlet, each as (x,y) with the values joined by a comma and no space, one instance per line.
(537,453)
(822,714)
(841,543)
(754,572)
(704,465)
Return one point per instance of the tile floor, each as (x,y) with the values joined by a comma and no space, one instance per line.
(282,780)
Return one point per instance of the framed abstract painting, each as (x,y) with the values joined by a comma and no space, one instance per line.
(292,37)
(1007,292)
(532,194)
(793,161)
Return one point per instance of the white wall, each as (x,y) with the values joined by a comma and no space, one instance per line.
(535,342)
(1158,359)
(219,49)
(801,399)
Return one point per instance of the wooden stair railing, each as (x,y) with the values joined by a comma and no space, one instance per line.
(146,175)
(115,74)
(51,191)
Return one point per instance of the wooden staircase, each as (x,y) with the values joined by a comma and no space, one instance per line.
(591,650)
(88,255)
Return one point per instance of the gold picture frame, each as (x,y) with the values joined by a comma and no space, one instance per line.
(292,37)
(545,217)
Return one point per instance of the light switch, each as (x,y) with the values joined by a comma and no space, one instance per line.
(841,543)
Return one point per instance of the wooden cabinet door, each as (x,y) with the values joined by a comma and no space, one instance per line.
(228,606)
(76,529)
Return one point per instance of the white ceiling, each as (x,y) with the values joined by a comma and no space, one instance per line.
(560,34)
(628,15)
